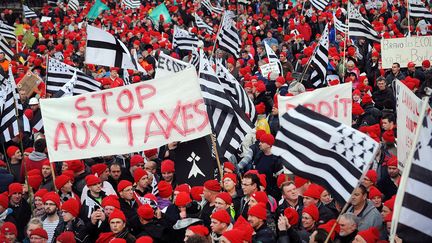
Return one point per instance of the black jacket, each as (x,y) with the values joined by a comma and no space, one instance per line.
(155,229)
(289,236)
(130,211)
(77,226)
(6,178)
(264,235)
(22,214)
(384,98)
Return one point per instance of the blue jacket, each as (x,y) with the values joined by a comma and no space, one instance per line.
(6,178)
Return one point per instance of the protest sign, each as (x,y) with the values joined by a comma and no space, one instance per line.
(408,106)
(269,68)
(29,84)
(45,19)
(29,38)
(404,50)
(333,102)
(167,65)
(126,119)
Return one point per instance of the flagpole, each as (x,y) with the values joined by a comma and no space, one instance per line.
(403,182)
(345,207)
(409,24)
(213,139)
(345,44)
(217,35)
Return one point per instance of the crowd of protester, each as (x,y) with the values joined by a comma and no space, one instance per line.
(135,197)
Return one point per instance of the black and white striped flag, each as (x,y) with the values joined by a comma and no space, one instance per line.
(59,73)
(228,121)
(320,60)
(412,218)
(236,91)
(228,38)
(184,40)
(201,24)
(68,88)
(325,151)
(244,2)
(194,59)
(7,31)
(126,77)
(74,5)
(28,12)
(131,4)
(417,9)
(207,4)
(320,4)
(4,47)
(273,57)
(339,25)
(359,26)
(106,50)
(52,2)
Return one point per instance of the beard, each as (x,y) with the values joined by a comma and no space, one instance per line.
(48,213)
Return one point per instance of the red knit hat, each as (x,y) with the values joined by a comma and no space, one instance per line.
(312,210)
(98,168)
(145,211)
(118,240)
(372,175)
(226,197)
(182,188)
(258,211)
(15,188)
(165,189)
(229,165)
(40,193)
(233,235)
(390,203)
(123,184)
(212,185)
(388,136)
(71,206)
(4,201)
(281,179)
(182,199)
(221,216)
(268,139)
(366,99)
(61,180)
(299,181)
(313,191)
(111,200)
(117,214)
(92,180)
(139,173)
(39,232)
(136,159)
(66,237)
(75,165)
(260,197)
(144,239)
(370,235)
(150,153)
(392,161)
(292,216)
(196,192)
(11,150)
(199,230)
(357,110)
(328,226)
(167,166)
(231,176)
(52,196)
(9,227)
(374,192)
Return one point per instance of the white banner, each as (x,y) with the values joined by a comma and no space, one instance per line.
(168,65)
(334,102)
(269,68)
(126,119)
(408,106)
(404,50)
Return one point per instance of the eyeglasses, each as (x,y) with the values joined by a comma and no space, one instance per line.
(244,184)
(50,204)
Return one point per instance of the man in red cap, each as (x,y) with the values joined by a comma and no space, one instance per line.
(63,184)
(51,219)
(71,221)
(257,216)
(10,231)
(21,210)
(168,170)
(211,190)
(101,171)
(80,173)
(117,222)
(47,179)
(92,201)
(196,230)
(414,72)
(388,184)
(142,185)
(116,81)
(250,184)
(15,157)
(291,198)
(38,235)
(36,158)
(312,196)
(150,224)
(220,222)
(127,203)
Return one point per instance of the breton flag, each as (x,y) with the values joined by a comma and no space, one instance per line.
(359,26)
(201,24)
(214,10)
(194,59)
(131,3)
(339,25)
(28,12)
(320,60)
(228,121)
(320,4)
(184,40)
(273,57)
(417,9)
(244,2)
(412,217)
(74,5)
(106,50)
(236,91)
(59,73)
(323,150)
(68,88)
(4,47)
(7,31)
(229,39)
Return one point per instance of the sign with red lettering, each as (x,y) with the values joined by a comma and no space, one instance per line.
(168,65)
(126,119)
(408,107)
(333,102)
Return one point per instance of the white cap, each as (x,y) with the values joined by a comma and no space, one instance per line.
(34,101)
